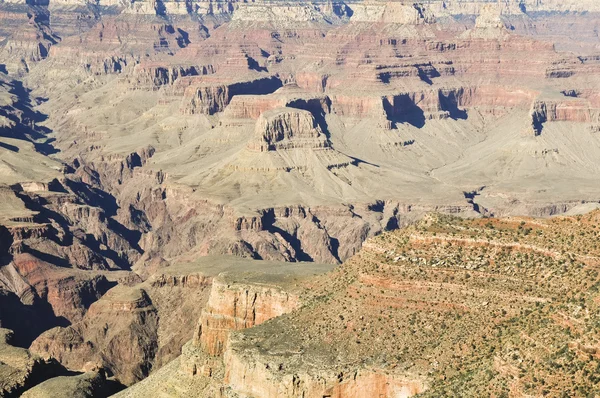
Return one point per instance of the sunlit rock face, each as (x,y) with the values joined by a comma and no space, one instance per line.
(144,142)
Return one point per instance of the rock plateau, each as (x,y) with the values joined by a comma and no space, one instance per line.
(175,174)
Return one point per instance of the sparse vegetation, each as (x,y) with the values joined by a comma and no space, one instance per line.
(481,307)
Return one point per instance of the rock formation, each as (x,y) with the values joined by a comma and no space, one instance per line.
(87,385)
(126,332)
(288,128)
(19,369)
(141,142)
(447,306)
(234,306)
(240,298)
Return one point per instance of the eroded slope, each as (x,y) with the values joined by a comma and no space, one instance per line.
(447,307)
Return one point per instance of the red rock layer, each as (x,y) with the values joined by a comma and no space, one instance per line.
(235,306)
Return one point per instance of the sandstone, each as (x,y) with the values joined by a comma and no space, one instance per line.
(252,106)
(130,330)
(248,294)
(288,128)
(157,75)
(122,336)
(565,110)
(69,294)
(140,139)
(233,306)
(259,380)
(392,12)
(292,368)
(281,14)
(209,97)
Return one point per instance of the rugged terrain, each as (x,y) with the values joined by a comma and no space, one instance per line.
(447,307)
(148,146)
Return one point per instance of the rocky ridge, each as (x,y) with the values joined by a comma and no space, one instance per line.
(141,135)
(19,369)
(448,306)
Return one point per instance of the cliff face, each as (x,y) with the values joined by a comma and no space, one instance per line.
(130,330)
(563,110)
(368,328)
(246,377)
(209,97)
(286,129)
(139,136)
(397,319)
(246,296)
(69,293)
(123,336)
(235,306)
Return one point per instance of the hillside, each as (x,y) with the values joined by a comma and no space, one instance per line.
(448,307)
(174,170)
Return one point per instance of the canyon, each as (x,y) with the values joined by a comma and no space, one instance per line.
(178,181)
(445,307)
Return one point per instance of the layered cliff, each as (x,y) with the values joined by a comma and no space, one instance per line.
(130,330)
(139,136)
(234,306)
(377,316)
(447,306)
(247,294)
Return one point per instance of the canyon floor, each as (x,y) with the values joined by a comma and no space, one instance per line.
(299,198)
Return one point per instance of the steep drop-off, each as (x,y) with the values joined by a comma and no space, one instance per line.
(143,142)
